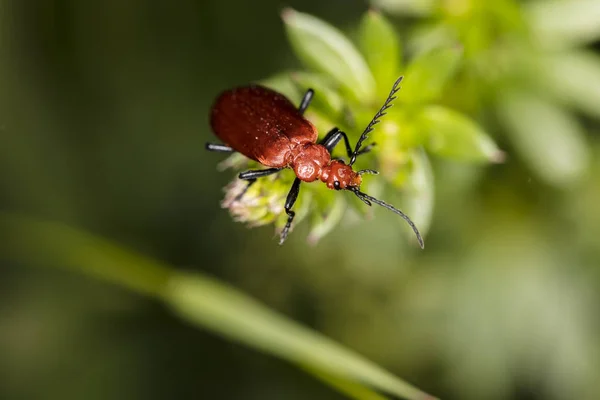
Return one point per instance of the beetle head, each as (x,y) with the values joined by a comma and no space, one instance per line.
(337,175)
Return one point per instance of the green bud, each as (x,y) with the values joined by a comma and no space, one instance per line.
(261,204)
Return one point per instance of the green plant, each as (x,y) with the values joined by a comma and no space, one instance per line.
(201,301)
(350,86)
(525,69)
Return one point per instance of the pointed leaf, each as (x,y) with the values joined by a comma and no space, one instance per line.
(428,74)
(325,49)
(574,79)
(222,309)
(420,188)
(352,389)
(548,138)
(563,23)
(450,134)
(380,45)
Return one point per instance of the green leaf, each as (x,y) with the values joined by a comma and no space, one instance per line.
(407,7)
(325,49)
(330,211)
(201,301)
(326,98)
(222,309)
(420,187)
(548,138)
(380,45)
(450,134)
(560,23)
(573,78)
(429,36)
(428,74)
(353,390)
(283,84)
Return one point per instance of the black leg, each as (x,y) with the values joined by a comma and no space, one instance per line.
(219,147)
(333,138)
(257,173)
(306,101)
(289,203)
(251,176)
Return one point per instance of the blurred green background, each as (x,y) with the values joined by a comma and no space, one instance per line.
(103,120)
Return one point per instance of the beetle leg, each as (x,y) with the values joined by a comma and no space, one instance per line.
(333,138)
(289,203)
(219,147)
(306,101)
(257,173)
(251,177)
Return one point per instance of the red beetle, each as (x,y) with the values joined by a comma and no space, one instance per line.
(266,127)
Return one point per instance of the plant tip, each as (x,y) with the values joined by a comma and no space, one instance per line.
(374,12)
(287,13)
(498,157)
(458,47)
(312,240)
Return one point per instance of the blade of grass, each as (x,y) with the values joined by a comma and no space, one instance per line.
(347,387)
(198,299)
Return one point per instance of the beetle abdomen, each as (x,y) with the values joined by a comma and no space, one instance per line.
(261,124)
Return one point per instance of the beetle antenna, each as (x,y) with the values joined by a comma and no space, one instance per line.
(382,111)
(369,199)
(367,202)
(367,171)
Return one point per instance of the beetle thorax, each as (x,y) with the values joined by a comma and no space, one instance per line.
(309,159)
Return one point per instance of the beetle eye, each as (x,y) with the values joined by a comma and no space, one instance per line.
(336,185)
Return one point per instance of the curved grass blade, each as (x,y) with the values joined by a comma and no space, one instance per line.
(199,300)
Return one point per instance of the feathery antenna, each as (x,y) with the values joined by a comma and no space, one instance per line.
(367,171)
(375,120)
